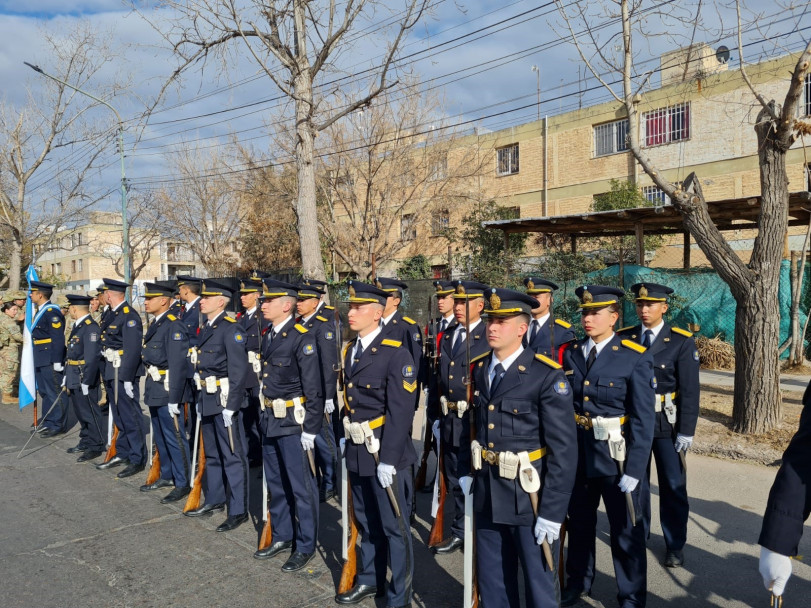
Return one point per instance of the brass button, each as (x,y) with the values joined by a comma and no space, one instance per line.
(663,365)
(351,411)
(350,385)
(349,398)
(491,445)
(491,408)
(586,383)
(515,411)
(450,377)
(264,375)
(585,398)
(610,384)
(368,386)
(491,426)
(452,364)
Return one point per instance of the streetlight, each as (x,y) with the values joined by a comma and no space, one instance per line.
(537,71)
(124,222)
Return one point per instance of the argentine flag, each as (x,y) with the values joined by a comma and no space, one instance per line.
(28,389)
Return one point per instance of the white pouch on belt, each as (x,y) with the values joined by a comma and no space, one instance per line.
(193,355)
(670,408)
(476,455)
(508,465)
(166,381)
(197,382)
(355,431)
(298,411)
(611,429)
(279,408)
(528,477)
(211,384)
(253,359)
(372,442)
(154,373)
(347,434)
(443,405)
(461,408)
(224,391)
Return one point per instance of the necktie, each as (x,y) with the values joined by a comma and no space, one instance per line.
(648,338)
(443,325)
(458,340)
(498,374)
(591,358)
(533,332)
(358,353)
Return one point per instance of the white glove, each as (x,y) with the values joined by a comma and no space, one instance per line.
(775,570)
(85,390)
(58,367)
(425,390)
(683,442)
(63,381)
(329,406)
(545,529)
(128,390)
(342,445)
(628,484)
(307,441)
(227,418)
(466,483)
(174,409)
(385,474)
(197,410)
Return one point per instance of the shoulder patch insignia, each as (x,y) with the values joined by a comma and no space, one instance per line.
(238,337)
(563,323)
(301,329)
(126,310)
(394,343)
(681,331)
(177,336)
(417,336)
(550,362)
(482,356)
(131,323)
(562,387)
(320,318)
(409,320)
(171,317)
(653,383)
(695,355)
(230,319)
(329,335)
(634,346)
(308,349)
(408,371)
(410,386)
(54,319)
(56,325)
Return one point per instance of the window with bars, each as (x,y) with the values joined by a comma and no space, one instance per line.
(655,195)
(507,160)
(666,125)
(440,222)
(408,228)
(611,137)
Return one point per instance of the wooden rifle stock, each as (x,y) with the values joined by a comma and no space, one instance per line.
(111,451)
(350,568)
(428,442)
(155,470)
(561,561)
(193,501)
(266,538)
(35,413)
(438,527)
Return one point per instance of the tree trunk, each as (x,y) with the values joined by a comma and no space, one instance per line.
(15,264)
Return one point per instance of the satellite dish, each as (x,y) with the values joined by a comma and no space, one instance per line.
(722,54)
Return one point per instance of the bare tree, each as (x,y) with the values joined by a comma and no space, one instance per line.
(51,123)
(296,43)
(754,285)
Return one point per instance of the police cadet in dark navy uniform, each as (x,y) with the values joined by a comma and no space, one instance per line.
(521,458)
(250,320)
(165,355)
(121,343)
(82,378)
(380,379)
(189,289)
(675,365)
(454,418)
(546,333)
(613,385)
(292,416)
(221,371)
(48,336)
(313,316)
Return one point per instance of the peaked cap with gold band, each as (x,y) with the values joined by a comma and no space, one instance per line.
(311,288)
(250,285)
(115,285)
(651,292)
(394,287)
(45,288)
(443,288)
(468,290)
(215,288)
(77,299)
(278,289)
(598,296)
(536,285)
(364,293)
(507,303)
(184,279)
(156,290)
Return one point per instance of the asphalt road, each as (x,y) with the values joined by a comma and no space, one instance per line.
(75,536)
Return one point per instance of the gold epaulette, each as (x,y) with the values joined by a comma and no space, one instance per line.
(550,362)
(634,346)
(563,323)
(230,319)
(681,331)
(320,318)
(300,328)
(409,320)
(87,321)
(329,307)
(625,328)
(394,343)
(171,317)
(126,310)
(482,356)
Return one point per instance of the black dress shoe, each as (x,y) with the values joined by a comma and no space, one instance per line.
(205,510)
(89,455)
(674,559)
(176,494)
(161,483)
(46,432)
(325,495)
(274,549)
(113,462)
(232,522)
(356,594)
(428,488)
(297,561)
(454,543)
(571,596)
(132,469)
(76,448)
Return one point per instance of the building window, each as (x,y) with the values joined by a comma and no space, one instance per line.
(79,265)
(73,266)
(408,228)
(81,238)
(439,169)
(507,160)
(667,125)
(440,271)
(611,137)
(440,222)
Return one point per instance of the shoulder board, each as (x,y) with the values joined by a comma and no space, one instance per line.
(87,321)
(230,319)
(634,346)
(329,307)
(394,343)
(482,356)
(320,318)
(681,331)
(550,362)
(126,310)
(409,320)
(300,328)
(625,328)
(563,323)
(171,317)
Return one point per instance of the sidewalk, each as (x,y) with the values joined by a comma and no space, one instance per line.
(788,382)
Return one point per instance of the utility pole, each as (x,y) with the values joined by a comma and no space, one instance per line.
(537,71)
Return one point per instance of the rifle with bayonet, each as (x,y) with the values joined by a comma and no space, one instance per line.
(432,352)
(469,578)
(266,537)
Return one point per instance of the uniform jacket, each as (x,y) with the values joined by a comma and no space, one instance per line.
(406,330)
(542,343)
(676,365)
(329,341)
(166,346)
(531,409)
(194,325)
(619,383)
(455,431)
(432,373)
(84,348)
(48,336)
(382,383)
(10,334)
(290,369)
(222,354)
(250,326)
(124,332)
(790,497)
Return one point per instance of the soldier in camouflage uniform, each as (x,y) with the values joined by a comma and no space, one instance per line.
(63,303)
(10,340)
